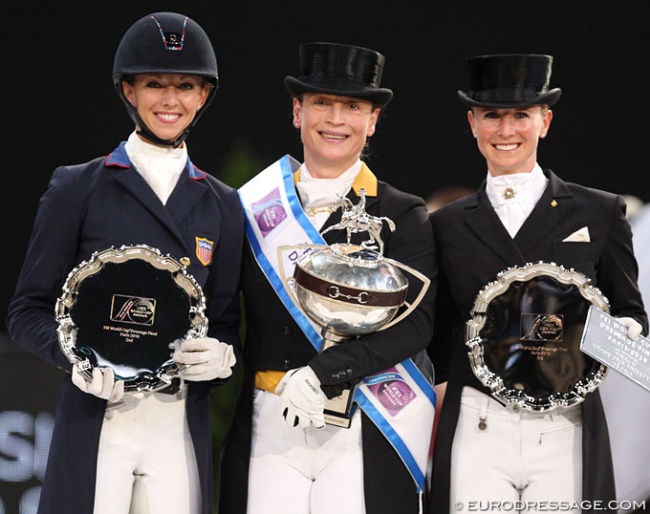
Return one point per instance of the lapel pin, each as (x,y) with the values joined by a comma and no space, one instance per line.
(553,203)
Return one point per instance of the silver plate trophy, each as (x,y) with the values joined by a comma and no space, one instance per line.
(350,290)
(125,309)
(524,337)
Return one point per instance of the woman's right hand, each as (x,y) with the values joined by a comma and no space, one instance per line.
(103,384)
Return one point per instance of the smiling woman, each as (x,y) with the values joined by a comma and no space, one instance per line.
(508,138)
(334,130)
(180,58)
(488,448)
(166,104)
(109,440)
(291,452)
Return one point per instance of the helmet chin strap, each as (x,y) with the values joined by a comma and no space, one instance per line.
(146,132)
(153,138)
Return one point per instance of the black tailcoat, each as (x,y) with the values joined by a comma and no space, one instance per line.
(473,246)
(275,342)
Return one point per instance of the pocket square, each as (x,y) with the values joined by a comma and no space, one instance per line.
(579,236)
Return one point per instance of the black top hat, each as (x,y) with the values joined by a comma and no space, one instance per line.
(509,81)
(340,70)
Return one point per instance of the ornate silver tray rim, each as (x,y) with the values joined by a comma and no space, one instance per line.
(476,323)
(67,330)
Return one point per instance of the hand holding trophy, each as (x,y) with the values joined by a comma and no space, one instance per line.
(350,290)
(124,309)
(525,333)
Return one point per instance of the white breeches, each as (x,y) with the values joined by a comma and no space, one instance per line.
(303,471)
(145,448)
(503,455)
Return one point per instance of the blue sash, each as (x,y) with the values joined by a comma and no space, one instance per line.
(400,400)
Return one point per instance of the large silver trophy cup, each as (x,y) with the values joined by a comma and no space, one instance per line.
(350,290)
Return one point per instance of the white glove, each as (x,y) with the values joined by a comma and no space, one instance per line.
(102,385)
(301,399)
(634,328)
(204,358)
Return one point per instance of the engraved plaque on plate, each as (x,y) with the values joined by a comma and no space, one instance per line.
(125,308)
(524,337)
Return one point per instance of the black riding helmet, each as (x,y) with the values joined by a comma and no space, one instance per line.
(165,42)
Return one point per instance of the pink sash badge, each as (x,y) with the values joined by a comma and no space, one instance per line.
(391,390)
(269,212)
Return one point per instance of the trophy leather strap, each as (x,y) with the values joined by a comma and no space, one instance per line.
(274,218)
(349,294)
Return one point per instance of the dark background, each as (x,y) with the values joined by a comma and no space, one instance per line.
(60,107)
